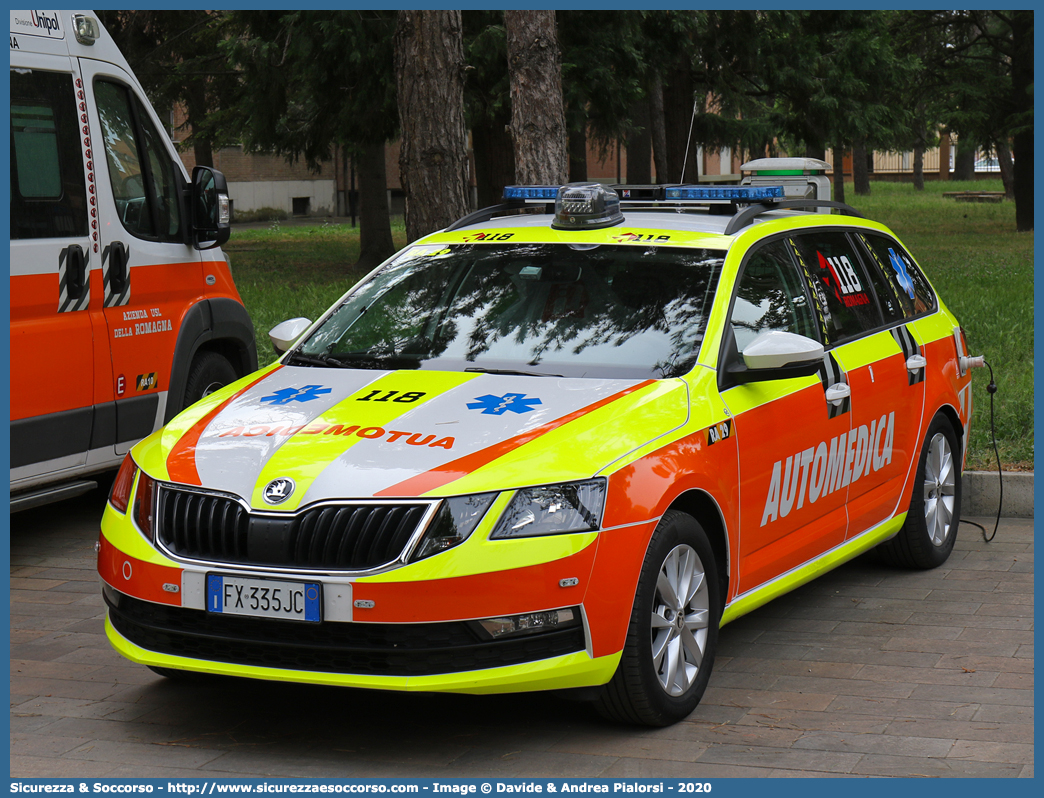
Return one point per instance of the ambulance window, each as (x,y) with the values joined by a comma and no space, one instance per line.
(905,280)
(163,183)
(841,286)
(141,174)
(48,189)
(770,296)
(892,301)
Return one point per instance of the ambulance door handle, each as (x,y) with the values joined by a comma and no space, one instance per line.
(916,362)
(118,267)
(76,271)
(837,393)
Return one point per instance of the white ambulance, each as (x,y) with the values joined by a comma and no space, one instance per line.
(123,309)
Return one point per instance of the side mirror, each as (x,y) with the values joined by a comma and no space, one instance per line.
(284,334)
(777,355)
(211,213)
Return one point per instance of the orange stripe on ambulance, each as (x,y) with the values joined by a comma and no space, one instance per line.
(828,467)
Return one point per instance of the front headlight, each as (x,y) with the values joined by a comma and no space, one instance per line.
(143,506)
(453,524)
(553,510)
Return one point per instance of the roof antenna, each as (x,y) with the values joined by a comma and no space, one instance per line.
(685,160)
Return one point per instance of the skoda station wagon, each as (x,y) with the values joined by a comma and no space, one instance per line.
(553,451)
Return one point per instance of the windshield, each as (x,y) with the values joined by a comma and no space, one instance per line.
(548,309)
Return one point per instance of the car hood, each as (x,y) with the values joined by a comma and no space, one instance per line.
(345,433)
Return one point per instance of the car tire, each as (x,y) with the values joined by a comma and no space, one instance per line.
(928,534)
(648,687)
(209,372)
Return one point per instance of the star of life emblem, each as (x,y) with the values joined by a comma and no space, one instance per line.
(491,405)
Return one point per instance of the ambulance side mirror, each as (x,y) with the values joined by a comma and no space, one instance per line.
(775,355)
(210,208)
(775,349)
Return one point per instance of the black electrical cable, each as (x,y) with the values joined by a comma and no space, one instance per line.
(991,389)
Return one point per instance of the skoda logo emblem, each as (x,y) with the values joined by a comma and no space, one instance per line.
(278,490)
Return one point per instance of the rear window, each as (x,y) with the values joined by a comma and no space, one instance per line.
(906,282)
(48,189)
(551,309)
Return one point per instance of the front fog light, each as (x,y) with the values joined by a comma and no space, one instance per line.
(530,623)
(453,524)
(553,510)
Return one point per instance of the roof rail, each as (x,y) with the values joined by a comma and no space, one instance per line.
(748,214)
(485,214)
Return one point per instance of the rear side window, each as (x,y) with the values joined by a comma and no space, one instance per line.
(907,282)
(144,186)
(48,189)
(770,296)
(834,271)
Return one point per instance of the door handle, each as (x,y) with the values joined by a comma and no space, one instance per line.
(837,393)
(118,271)
(75,271)
(916,362)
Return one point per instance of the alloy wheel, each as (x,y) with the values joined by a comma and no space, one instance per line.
(680,617)
(939,484)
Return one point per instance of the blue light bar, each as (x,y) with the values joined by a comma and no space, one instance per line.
(725,193)
(545,193)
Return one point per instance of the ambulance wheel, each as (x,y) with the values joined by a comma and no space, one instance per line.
(208,372)
(928,535)
(673,632)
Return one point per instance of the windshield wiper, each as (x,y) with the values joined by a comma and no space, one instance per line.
(512,372)
(361,360)
(299,358)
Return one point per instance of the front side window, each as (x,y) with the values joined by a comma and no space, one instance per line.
(770,296)
(551,309)
(848,305)
(48,189)
(144,186)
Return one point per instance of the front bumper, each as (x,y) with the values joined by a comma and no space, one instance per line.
(405,629)
(574,670)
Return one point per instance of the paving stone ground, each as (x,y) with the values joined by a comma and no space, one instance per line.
(868,671)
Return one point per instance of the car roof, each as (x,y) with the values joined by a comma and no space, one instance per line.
(685,228)
(696,222)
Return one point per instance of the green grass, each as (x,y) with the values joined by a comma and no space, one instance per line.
(981,267)
(288,271)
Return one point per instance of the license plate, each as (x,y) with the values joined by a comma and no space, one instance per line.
(264,598)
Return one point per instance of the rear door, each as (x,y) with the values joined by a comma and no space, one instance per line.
(53,362)
(151,276)
(880,360)
(904,295)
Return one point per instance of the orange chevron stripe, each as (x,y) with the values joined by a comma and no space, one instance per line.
(181,462)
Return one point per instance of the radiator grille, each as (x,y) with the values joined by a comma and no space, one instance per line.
(217,528)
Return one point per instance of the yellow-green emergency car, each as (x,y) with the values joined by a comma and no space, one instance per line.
(554,451)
